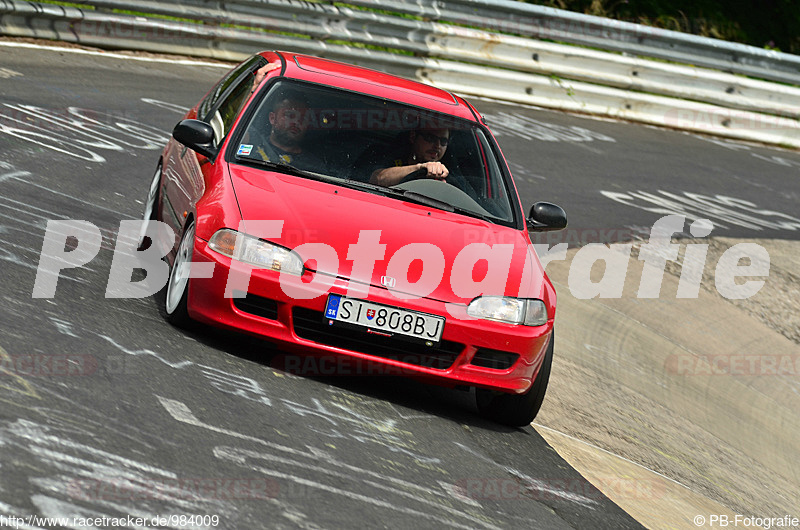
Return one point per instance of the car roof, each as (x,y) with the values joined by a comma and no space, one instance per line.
(374,83)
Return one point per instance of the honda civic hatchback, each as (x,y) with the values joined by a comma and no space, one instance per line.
(344,213)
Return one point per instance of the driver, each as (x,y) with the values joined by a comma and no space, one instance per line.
(426,149)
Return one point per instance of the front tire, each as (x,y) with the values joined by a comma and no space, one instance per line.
(517,410)
(177,296)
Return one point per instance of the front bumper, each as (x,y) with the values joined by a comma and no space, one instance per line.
(472,352)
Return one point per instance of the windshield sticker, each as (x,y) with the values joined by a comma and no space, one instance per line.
(244,150)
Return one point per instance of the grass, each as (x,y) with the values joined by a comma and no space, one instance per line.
(68,4)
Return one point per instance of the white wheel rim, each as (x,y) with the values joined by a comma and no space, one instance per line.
(150,203)
(179,275)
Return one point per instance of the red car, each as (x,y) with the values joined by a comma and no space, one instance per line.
(344,213)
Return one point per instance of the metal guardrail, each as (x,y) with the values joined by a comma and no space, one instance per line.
(218,37)
(540,22)
(613,70)
(462,59)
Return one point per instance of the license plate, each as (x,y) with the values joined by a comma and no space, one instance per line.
(385,319)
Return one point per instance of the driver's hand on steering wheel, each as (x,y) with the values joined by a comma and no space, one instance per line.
(436,170)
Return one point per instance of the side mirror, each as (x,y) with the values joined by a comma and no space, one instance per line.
(196,135)
(545,216)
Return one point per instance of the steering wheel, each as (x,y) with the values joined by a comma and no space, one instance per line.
(417,174)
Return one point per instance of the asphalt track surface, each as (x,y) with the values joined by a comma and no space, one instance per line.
(124,414)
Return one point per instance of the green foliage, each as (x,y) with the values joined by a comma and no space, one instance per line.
(772,24)
(68,4)
(152,15)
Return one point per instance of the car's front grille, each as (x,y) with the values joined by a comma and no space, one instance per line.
(310,325)
(257,305)
(495,359)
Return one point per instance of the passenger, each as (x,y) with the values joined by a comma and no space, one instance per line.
(261,73)
(287,131)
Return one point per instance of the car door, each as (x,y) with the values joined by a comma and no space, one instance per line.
(186,171)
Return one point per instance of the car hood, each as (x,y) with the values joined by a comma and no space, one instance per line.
(428,252)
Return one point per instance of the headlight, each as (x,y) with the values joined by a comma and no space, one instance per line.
(512,310)
(254,251)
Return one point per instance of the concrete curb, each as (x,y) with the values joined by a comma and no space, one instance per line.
(728,437)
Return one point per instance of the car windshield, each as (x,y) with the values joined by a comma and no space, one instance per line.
(351,139)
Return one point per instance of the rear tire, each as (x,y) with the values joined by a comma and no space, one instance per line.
(177,295)
(517,410)
(150,208)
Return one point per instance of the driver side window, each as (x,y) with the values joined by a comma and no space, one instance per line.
(229,109)
(223,105)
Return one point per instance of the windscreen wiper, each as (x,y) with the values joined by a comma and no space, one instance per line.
(348,183)
(403,195)
(419,198)
(473,213)
(286,168)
